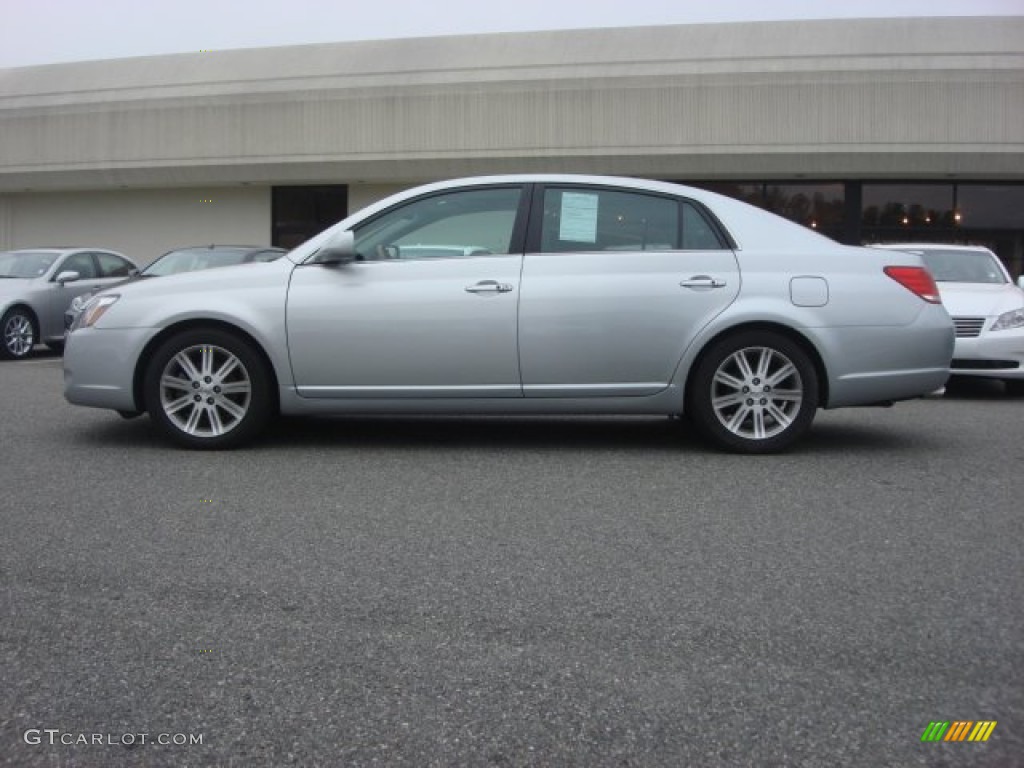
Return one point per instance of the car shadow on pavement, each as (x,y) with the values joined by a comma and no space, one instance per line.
(515,433)
(977,389)
(511,432)
(655,433)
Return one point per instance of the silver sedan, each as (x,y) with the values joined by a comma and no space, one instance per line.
(533,294)
(38,284)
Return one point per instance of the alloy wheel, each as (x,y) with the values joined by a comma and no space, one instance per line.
(19,335)
(756,393)
(205,390)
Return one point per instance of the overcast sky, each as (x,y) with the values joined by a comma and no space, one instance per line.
(46,31)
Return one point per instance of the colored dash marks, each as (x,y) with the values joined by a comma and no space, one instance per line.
(959,730)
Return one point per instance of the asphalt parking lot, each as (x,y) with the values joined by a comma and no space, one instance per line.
(505,592)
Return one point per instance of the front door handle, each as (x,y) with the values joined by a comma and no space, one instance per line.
(702,281)
(489,286)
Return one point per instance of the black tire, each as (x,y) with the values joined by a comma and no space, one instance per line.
(18,334)
(56,346)
(753,392)
(208,389)
(1014,387)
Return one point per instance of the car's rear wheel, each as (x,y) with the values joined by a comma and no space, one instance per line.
(19,334)
(753,392)
(207,388)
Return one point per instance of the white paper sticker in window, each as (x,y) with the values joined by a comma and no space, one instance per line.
(578,222)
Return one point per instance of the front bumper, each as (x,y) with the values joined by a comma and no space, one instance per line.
(99,366)
(992,354)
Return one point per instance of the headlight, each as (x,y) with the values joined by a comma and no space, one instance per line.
(1012,319)
(78,303)
(94,310)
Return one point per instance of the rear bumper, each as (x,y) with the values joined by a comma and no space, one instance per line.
(875,364)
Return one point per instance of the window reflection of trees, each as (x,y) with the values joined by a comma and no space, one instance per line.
(818,206)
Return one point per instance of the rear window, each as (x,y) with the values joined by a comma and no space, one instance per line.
(963,267)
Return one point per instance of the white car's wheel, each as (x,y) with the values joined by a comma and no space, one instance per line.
(753,392)
(19,334)
(208,389)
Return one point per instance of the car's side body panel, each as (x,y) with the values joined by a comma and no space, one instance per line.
(607,324)
(406,328)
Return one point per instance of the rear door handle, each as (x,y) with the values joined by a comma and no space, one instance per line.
(489,286)
(702,281)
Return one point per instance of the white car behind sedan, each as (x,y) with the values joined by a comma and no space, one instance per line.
(987,310)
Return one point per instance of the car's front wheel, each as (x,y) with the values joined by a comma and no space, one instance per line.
(1014,387)
(753,392)
(208,388)
(19,334)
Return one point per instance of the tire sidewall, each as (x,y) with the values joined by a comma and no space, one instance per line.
(703,416)
(260,401)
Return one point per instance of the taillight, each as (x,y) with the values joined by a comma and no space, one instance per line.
(916,280)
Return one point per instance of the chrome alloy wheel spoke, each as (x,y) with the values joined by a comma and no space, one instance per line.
(781,375)
(746,396)
(205,391)
(187,366)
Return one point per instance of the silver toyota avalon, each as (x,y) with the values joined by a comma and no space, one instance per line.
(537,294)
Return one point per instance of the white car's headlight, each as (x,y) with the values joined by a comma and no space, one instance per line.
(1012,319)
(95,309)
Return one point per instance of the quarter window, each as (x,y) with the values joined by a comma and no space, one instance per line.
(475,222)
(698,234)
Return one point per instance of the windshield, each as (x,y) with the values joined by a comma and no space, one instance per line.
(26,263)
(194,259)
(963,267)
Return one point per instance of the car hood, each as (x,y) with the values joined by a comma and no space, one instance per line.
(216,278)
(979,300)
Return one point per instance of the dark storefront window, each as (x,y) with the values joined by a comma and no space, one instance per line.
(902,206)
(748,193)
(990,206)
(818,206)
(301,212)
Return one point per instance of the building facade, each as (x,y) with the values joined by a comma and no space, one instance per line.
(866,130)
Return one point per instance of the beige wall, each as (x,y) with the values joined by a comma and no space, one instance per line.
(851,98)
(142,224)
(362,195)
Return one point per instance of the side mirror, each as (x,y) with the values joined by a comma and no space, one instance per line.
(340,250)
(68,276)
(134,272)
